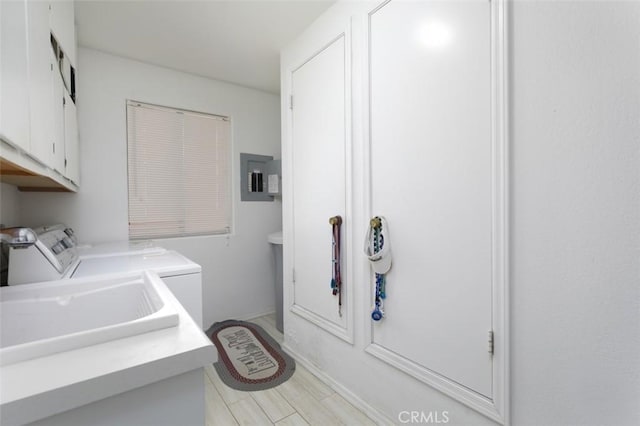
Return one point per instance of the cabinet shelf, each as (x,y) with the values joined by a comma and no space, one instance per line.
(17,168)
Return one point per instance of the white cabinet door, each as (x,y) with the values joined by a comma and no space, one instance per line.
(63,27)
(58,154)
(40,71)
(318,176)
(14,85)
(431,168)
(71,141)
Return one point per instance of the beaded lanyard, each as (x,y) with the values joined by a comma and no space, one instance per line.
(380,294)
(336,279)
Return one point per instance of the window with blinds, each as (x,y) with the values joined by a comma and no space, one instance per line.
(179,172)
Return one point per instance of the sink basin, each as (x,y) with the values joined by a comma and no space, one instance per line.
(57,316)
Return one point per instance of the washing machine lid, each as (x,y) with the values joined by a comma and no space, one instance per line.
(165,264)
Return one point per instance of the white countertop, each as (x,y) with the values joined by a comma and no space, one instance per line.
(45,386)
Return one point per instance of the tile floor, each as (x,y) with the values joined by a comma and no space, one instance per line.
(301,400)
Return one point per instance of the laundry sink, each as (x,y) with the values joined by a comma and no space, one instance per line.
(57,316)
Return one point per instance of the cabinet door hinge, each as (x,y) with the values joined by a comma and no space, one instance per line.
(491,342)
(293,275)
(64,101)
(290,101)
(65,162)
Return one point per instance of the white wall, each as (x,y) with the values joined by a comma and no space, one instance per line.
(576,213)
(575,224)
(237,271)
(9,205)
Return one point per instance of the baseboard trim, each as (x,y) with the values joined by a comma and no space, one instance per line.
(254,315)
(368,410)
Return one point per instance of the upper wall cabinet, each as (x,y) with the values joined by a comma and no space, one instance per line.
(38,129)
(398,111)
(71,149)
(14,82)
(41,60)
(57,113)
(62,27)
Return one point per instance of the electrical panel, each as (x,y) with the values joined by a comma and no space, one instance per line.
(260,177)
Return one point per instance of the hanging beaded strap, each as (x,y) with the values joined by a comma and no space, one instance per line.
(336,279)
(378,243)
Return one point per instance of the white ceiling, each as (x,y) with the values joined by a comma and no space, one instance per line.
(236,41)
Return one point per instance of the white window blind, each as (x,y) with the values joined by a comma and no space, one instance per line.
(179,172)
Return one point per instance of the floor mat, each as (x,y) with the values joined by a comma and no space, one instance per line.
(249,359)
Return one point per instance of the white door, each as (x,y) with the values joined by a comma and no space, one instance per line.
(318,177)
(430,94)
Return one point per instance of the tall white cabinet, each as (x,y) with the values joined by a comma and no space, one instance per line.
(398,111)
(318,175)
(431,170)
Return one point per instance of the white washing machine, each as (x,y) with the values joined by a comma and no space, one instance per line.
(51,253)
(118,248)
(103,249)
